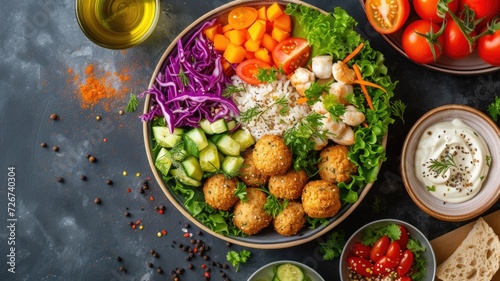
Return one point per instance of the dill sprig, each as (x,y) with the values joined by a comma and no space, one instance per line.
(440,167)
(268,75)
(133,102)
(257,111)
(398,109)
(231,90)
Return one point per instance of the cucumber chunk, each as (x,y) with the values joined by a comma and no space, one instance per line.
(164,138)
(205,126)
(163,161)
(183,178)
(192,168)
(231,124)
(227,145)
(232,164)
(219,126)
(244,138)
(209,158)
(197,135)
(289,272)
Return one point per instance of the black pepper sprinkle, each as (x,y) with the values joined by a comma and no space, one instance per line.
(109,182)
(127,214)
(60,179)
(92,159)
(122,268)
(97,200)
(150,265)
(83,177)
(43,145)
(159,270)
(190,266)
(55,148)
(54,116)
(118,259)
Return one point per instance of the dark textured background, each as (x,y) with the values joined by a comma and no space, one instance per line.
(62,235)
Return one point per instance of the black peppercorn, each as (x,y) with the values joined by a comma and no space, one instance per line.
(92,159)
(127,214)
(122,268)
(83,177)
(118,259)
(60,179)
(109,182)
(43,144)
(97,200)
(55,148)
(53,116)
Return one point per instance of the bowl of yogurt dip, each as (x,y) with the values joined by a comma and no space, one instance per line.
(450,162)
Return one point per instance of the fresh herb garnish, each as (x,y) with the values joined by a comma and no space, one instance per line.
(257,111)
(440,167)
(418,268)
(241,191)
(431,188)
(371,234)
(183,77)
(488,160)
(379,204)
(333,246)
(273,205)
(232,89)
(398,109)
(494,109)
(268,75)
(314,92)
(236,258)
(133,102)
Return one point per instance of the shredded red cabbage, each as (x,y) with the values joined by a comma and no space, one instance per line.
(185,102)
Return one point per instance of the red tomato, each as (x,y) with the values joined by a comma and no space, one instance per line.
(488,48)
(455,44)
(427,9)
(291,54)
(379,248)
(384,265)
(361,250)
(486,9)
(361,266)
(387,16)
(248,69)
(405,263)
(418,47)
(404,278)
(403,239)
(394,251)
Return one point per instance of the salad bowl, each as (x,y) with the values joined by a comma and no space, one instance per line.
(268,238)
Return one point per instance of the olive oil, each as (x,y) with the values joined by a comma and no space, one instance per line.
(117,24)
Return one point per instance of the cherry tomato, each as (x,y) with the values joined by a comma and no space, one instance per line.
(248,69)
(291,54)
(387,16)
(427,9)
(418,47)
(488,48)
(361,250)
(404,278)
(403,239)
(242,17)
(394,251)
(455,44)
(384,265)
(361,266)
(405,263)
(486,9)
(379,248)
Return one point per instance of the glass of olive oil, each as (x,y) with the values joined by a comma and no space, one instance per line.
(117,24)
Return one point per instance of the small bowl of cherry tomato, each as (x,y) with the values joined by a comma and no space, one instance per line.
(388,248)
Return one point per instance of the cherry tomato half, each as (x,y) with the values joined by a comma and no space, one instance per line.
(387,16)
(361,266)
(361,250)
(403,239)
(488,48)
(248,70)
(416,46)
(427,9)
(380,248)
(394,251)
(456,45)
(242,17)
(291,54)
(405,263)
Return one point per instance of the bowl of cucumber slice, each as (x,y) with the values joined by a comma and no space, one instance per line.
(285,270)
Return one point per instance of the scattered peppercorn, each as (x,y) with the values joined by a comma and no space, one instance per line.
(55,148)
(97,200)
(150,265)
(118,259)
(159,270)
(92,158)
(83,177)
(43,145)
(54,116)
(122,268)
(190,266)
(98,118)
(109,182)
(60,179)
(127,214)
(120,112)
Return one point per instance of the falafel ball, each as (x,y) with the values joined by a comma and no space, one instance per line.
(249,174)
(219,192)
(334,164)
(249,216)
(271,155)
(291,220)
(321,199)
(288,186)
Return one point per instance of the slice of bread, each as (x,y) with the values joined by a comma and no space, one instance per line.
(477,258)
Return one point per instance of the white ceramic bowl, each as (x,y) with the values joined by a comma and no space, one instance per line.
(428,255)
(266,273)
(490,191)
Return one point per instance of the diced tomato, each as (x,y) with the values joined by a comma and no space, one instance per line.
(291,54)
(248,70)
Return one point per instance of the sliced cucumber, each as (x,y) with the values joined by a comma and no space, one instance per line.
(227,145)
(205,126)
(244,138)
(164,138)
(219,126)
(192,168)
(183,178)
(232,164)
(231,124)
(197,135)
(289,272)
(209,158)
(163,161)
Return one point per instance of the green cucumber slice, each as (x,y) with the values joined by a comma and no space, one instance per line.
(164,138)
(192,168)
(209,158)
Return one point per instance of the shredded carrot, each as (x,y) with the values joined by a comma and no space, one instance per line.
(301,100)
(354,53)
(365,91)
(366,83)
(365,124)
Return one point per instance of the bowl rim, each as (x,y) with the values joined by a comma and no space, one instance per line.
(405,170)
(407,225)
(298,239)
(304,266)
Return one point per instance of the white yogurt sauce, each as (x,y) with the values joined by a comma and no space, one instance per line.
(452,160)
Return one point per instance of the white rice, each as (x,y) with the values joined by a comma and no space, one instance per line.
(264,97)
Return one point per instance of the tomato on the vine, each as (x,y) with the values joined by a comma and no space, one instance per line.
(405,263)
(248,70)
(418,37)
(484,9)
(387,16)
(291,54)
(380,248)
(428,9)
(456,45)
(488,48)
